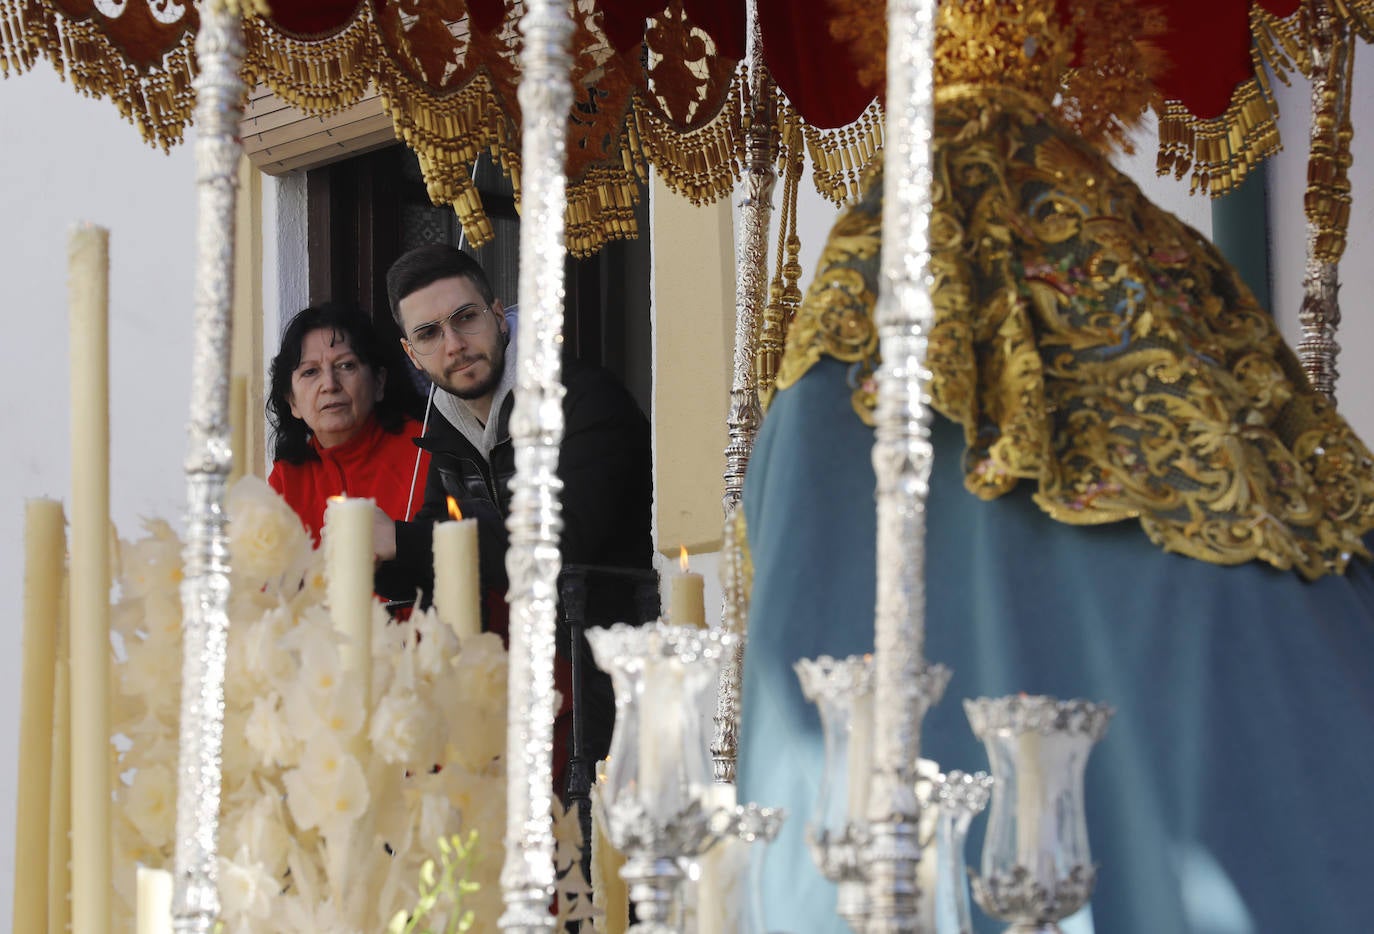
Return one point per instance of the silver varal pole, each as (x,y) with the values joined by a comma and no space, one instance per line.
(902,457)
(751,273)
(755,208)
(532,561)
(1331,45)
(205,589)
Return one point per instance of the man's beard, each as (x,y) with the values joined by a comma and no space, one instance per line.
(495,365)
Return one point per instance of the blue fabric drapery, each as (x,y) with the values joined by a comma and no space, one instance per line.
(1231,794)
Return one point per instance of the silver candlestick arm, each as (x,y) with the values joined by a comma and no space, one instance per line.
(533,560)
(205,589)
(755,209)
(902,457)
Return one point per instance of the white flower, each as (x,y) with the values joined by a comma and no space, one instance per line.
(263,652)
(301,916)
(481,669)
(437,644)
(266,537)
(313,584)
(153,741)
(126,619)
(328,790)
(311,714)
(237,758)
(316,644)
(162,618)
(267,734)
(438,819)
(150,804)
(406,731)
(258,825)
(153,563)
(245,888)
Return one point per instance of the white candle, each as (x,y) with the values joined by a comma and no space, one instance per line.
(457,587)
(1030,793)
(687,606)
(45,549)
(859,760)
(928,869)
(722,887)
(608,888)
(660,734)
(154,901)
(348,584)
(59,820)
(88,301)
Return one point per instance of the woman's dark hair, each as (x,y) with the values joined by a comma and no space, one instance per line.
(399,398)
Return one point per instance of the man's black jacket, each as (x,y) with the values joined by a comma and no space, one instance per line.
(605,463)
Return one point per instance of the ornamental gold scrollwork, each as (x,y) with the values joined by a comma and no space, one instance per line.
(1091,344)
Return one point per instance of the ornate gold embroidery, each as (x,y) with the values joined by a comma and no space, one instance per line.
(836,318)
(1091,343)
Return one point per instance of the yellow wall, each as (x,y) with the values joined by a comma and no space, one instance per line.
(694,333)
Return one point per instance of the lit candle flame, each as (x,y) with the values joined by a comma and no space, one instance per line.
(682,559)
(453,511)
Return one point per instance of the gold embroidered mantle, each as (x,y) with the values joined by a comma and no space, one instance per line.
(1092,343)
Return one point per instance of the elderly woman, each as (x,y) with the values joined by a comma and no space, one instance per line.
(340,429)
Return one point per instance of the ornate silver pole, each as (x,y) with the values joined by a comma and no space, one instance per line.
(1327,200)
(532,560)
(902,457)
(751,275)
(205,590)
(751,264)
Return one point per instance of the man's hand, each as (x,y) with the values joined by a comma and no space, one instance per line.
(383,535)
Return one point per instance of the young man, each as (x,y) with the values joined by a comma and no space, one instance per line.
(461,336)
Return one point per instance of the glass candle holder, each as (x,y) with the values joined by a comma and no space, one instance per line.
(656,795)
(842,690)
(1036,868)
(952,802)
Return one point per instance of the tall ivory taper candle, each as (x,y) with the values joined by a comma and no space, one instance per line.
(457,585)
(45,549)
(59,820)
(348,583)
(608,887)
(153,901)
(60,816)
(88,300)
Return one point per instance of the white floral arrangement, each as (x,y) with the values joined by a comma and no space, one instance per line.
(330,812)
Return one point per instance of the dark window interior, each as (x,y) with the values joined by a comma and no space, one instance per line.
(366,211)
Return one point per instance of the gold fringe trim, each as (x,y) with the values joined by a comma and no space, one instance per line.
(784,291)
(840,158)
(450,130)
(447,131)
(158,102)
(1221,151)
(701,165)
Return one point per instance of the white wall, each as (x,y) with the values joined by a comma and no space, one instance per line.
(65,158)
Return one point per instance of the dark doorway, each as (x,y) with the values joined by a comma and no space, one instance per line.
(366,211)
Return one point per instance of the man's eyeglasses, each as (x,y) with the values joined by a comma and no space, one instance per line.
(466,321)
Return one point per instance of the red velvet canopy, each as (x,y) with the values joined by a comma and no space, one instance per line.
(657,82)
